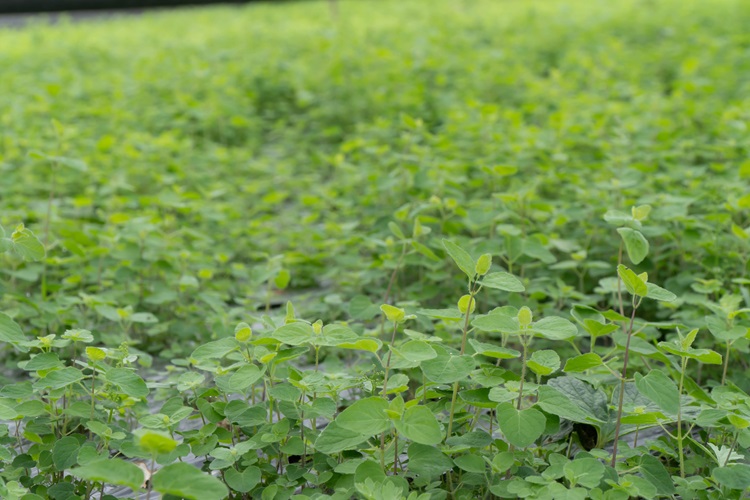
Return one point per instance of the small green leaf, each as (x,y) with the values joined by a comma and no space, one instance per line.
(635,244)
(394,314)
(419,424)
(461,257)
(544,362)
(524,317)
(370,345)
(520,428)
(463,304)
(640,212)
(112,471)
(633,283)
(397,232)
(484,262)
(493,351)
(424,250)
(582,362)
(184,480)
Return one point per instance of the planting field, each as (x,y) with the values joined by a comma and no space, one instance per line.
(421,250)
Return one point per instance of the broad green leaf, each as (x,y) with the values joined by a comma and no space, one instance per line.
(154,442)
(520,428)
(26,244)
(633,283)
(370,345)
(503,281)
(593,401)
(335,438)
(424,250)
(493,351)
(471,463)
(582,362)
(635,244)
(419,424)
(660,389)
(557,403)
(127,381)
(586,472)
(78,335)
(112,471)
(366,417)
(362,308)
(735,477)
(239,412)
(497,322)
(655,473)
(447,368)
(555,328)
(445,314)
(656,292)
(411,354)
(184,480)
(10,332)
(544,362)
(215,349)
(65,453)
(296,333)
(59,378)
(245,377)
(428,461)
(461,257)
(703,355)
(242,481)
(43,361)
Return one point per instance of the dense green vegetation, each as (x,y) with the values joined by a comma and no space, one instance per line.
(444,249)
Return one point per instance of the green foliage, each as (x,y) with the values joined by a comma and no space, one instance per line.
(384,255)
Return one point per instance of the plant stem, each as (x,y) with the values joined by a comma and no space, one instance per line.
(385,393)
(680,449)
(726,364)
(525,345)
(619,281)
(622,384)
(463,347)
